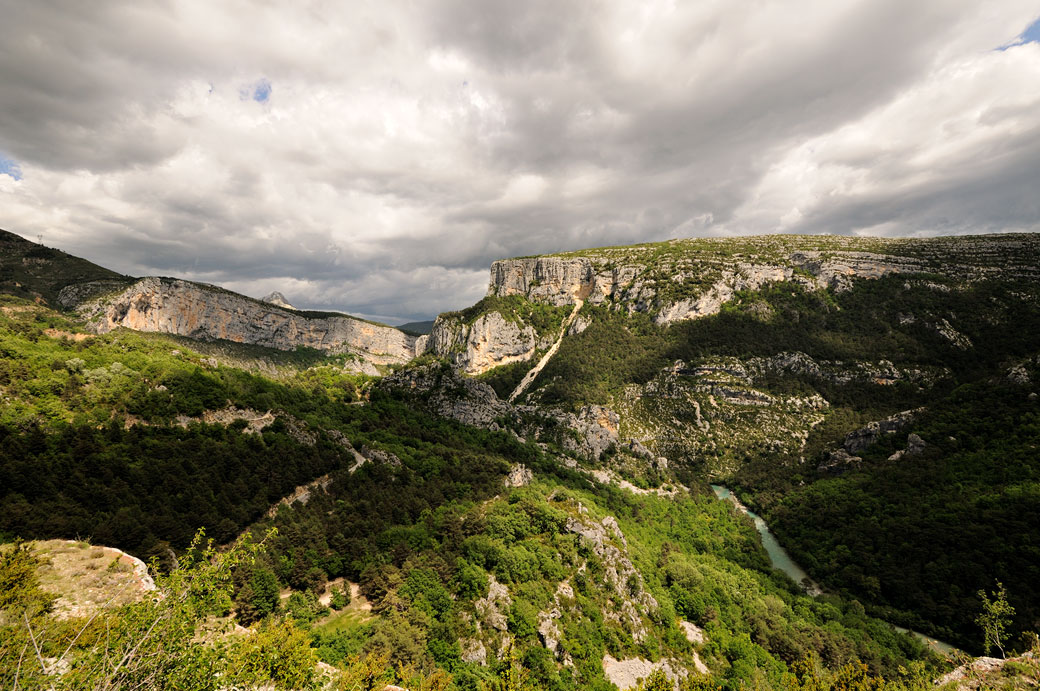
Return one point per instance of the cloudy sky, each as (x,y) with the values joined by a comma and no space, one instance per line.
(375,157)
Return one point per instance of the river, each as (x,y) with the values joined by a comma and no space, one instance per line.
(780,559)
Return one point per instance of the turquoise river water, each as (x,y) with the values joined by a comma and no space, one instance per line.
(780,559)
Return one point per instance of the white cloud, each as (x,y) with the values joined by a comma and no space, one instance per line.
(400,150)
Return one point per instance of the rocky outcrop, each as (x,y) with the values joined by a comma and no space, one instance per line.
(882,372)
(992,672)
(873,432)
(745,277)
(696,411)
(837,270)
(450,395)
(489,342)
(302,494)
(857,441)
(208,313)
(914,447)
(607,542)
(472,650)
(626,674)
(519,476)
(597,429)
(548,626)
(88,578)
(493,609)
(838,462)
(588,433)
(278,300)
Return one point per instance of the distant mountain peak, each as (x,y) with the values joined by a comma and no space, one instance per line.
(276,298)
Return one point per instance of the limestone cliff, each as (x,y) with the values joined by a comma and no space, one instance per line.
(205,312)
(490,341)
(688,279)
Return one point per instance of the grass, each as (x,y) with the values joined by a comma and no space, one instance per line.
(87,577)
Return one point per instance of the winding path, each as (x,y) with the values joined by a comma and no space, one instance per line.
(530,376)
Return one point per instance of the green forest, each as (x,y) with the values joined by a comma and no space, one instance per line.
(412,556)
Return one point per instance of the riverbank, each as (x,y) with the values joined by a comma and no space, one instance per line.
(780,559)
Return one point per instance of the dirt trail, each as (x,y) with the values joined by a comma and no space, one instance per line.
(529,377)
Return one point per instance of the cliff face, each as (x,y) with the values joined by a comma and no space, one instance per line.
(206,313)
(688,279)
(488,342)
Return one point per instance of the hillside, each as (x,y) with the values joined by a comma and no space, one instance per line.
(107,300)
(33,271)
(750,360)
(527,502)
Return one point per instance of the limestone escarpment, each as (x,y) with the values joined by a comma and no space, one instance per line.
(490,341)
(688,279)
(495,332)
(560,280)
(203,312)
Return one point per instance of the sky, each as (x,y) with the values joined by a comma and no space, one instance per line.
(376,157)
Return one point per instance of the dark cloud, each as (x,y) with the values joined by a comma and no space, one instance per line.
(378,160)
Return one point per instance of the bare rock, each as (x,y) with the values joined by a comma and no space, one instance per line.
(626,674)
(519,476)
(744,277)
(277,299)
(209,313)
(493,608)
(1018,375)
(473,650)
(839,462)
(869,435)
(620,573)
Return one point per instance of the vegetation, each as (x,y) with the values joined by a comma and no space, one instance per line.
(994,619)
(423,539)
(892,534)
(138,440)
(546,319)
(31,271)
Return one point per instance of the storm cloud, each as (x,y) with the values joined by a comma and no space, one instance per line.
(376,157)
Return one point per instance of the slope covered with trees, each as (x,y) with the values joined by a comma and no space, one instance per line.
(406,546)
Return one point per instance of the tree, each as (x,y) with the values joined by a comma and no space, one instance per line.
(258,597)
(155,643)
(995,617)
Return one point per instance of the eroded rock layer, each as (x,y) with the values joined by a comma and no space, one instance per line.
(208,313)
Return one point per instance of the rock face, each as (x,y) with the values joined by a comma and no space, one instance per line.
(587,433)
(278,300)
(488,342)
(553,280)
(689,279)
(562,281)
(745,277)
(607,542)
(207,313)
(866,437)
